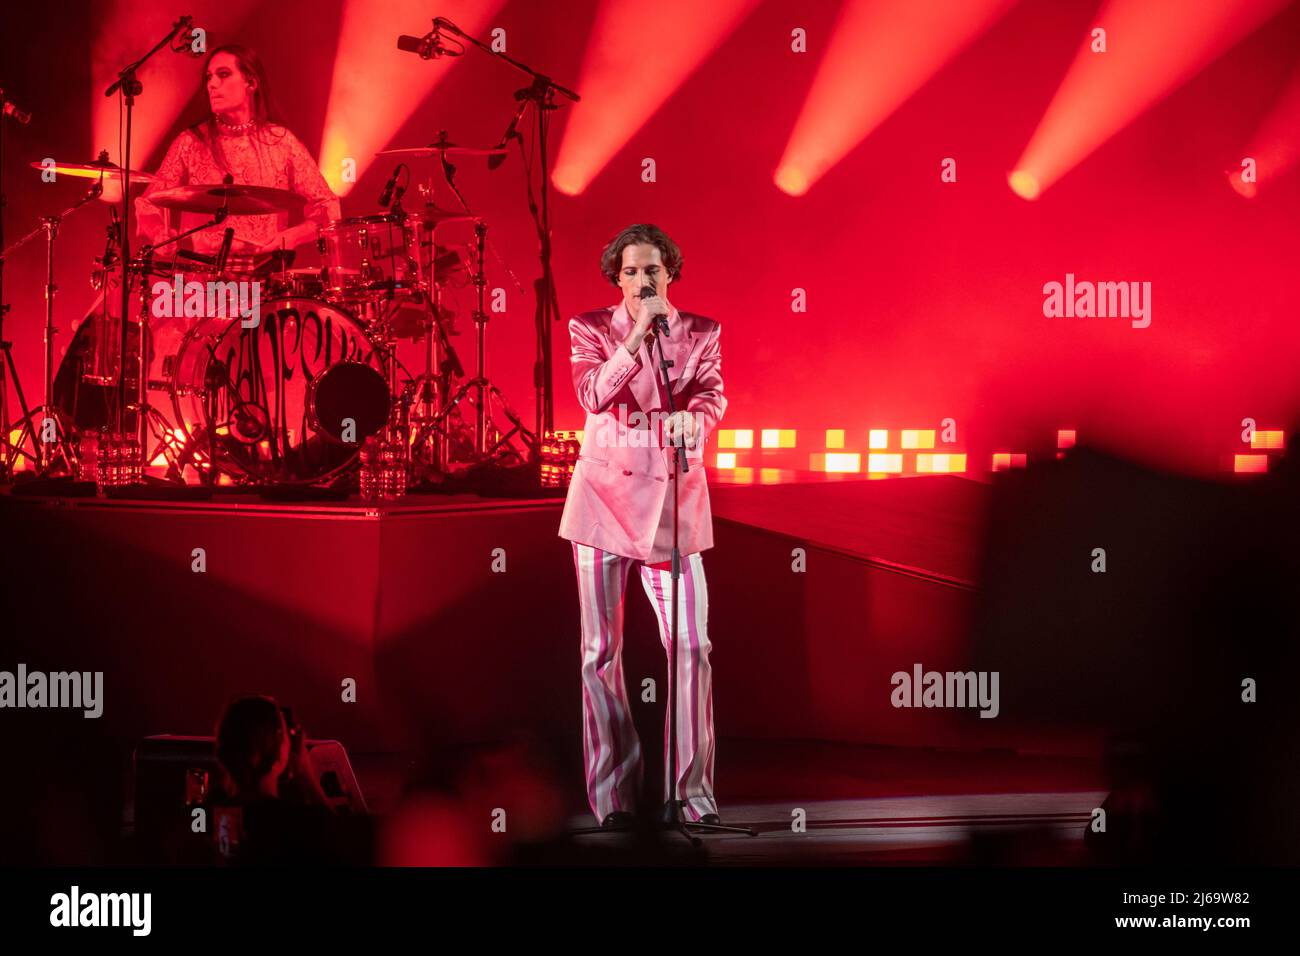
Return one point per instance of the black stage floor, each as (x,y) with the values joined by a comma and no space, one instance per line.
(446,653)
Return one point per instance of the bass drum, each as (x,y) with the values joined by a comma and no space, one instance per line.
(279,395)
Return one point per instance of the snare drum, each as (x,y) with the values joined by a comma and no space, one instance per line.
(367,257)
(297,284)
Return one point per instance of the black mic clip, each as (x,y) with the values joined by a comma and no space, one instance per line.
(386,197)
(224,252)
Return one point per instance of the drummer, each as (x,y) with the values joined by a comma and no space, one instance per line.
(241,139)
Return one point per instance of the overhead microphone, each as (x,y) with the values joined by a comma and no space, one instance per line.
(185,42)
(494,162)
(22,116)
(224,252)
(386,197)
(427,47)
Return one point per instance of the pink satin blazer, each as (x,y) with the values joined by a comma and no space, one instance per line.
(620,499)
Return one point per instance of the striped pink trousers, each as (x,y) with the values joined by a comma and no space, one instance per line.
(610,746)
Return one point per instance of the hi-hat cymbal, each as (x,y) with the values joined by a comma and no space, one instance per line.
(241,200)
(451,150)
(94,170)
(432,215)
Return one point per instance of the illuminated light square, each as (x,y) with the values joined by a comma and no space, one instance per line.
(726,459)
(918,438)
(1250,464)
(1005,461)
(771,476)
(835,438)
(744,476)
(845,462)
(735,438)
(885,464)
(1268,439)
(778,437)
(1066,437)
(878,438)
(942,463)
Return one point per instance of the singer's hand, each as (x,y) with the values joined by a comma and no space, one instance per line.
(643,313)
(683,424)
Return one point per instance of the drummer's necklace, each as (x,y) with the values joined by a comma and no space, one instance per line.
(231,127)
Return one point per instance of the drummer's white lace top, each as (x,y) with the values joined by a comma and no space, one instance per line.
(270,156)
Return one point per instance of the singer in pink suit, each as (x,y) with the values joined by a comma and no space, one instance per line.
(619,513)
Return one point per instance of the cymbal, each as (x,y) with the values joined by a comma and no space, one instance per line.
(450,149)
(94,170)
(432,215)
(243,200)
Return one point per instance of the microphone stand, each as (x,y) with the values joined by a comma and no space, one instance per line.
(542,95)
(672,816)
(131,88)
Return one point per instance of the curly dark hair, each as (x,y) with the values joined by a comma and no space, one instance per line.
(611,260)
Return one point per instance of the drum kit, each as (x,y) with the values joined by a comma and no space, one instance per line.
(300,395)
(290,398)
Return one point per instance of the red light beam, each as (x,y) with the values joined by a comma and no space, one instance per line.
(624,82)
(881,52)
(1152,47)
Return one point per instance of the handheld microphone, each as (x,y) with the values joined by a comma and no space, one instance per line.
(660,320)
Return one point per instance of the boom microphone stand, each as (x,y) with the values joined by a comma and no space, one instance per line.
(130,88)
(542,95)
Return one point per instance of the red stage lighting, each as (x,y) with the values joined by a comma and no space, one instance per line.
(126,30)
(1274,149)
(881,52)
(357,122)
(622,85)
(1151,47)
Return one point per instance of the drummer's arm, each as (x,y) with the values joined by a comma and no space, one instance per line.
(152,221)
(322,207)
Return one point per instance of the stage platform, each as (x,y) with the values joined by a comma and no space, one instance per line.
(455,620)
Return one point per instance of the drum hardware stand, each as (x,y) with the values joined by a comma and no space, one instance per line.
(542,95)
(482,418)
(480,382)
(148,414)
(62,449)
(440,353)
(216,375)
(8,452)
